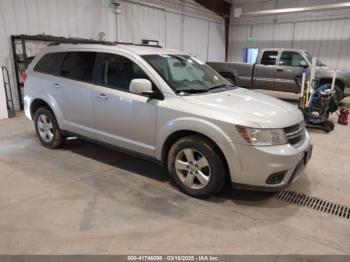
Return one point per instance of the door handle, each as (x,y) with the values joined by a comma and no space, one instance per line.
(102,96)
(56,85)
(279,69)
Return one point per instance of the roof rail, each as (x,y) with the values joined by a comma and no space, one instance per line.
(56,40)
(88,41)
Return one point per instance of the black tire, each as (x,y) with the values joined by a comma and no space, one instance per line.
(339,94)
(57,138)
(204,147)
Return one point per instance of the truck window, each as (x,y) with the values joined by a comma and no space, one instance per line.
(269,58)
(289,58)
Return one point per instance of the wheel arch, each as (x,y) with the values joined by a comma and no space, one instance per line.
(173,131)
(339,82)
(48,102)
(36,104)
(232,75)
(175,136)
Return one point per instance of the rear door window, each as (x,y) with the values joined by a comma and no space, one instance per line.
(50,63)
(269,58)
(78,66)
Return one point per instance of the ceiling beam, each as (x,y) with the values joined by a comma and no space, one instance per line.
(297,10)
(219,7)
(223,9)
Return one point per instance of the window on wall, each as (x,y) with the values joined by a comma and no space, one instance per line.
(250,55)
(291,59)
(269,58)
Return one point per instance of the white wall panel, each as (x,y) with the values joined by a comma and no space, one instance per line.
(262,35)
(174,31)
(238,41)
(196,33)
(216,48)
(283,35)
(3,104)
(138,22)
(344,50)
(326,39)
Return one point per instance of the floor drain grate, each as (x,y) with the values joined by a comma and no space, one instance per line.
(313,203)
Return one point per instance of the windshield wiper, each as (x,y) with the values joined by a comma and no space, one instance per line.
(192,91)
(221,86)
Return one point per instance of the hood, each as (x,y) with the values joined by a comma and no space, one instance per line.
(329,71)
(327,68)
(243,107)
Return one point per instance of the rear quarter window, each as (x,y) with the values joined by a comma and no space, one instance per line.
(50,63)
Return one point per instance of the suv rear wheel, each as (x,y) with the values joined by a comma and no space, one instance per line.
(47,128)
(196,166)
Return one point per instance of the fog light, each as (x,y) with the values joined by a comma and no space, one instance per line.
(276,178)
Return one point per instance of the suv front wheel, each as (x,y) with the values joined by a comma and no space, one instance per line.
(47,128)
(196,167)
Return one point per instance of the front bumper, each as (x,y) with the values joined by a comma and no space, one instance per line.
(347,91)
(27,102)
(257,164)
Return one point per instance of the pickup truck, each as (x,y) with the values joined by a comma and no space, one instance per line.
(276,69)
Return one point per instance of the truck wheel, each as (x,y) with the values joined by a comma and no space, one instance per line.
(339,94)
(47,128)
(196,167)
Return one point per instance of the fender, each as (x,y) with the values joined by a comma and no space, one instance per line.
(235,74)
(238,79)
(53,105)
(230,74)
(205,128)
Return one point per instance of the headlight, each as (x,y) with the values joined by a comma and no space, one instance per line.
(262,137)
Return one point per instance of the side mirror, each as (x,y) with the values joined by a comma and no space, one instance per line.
(144,87)
(140,86)
(304,64)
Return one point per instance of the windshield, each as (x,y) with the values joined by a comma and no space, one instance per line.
(309,58)
(187,76)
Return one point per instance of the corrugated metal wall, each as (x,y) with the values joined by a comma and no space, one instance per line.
(199,35)
(325,34)
(198,32)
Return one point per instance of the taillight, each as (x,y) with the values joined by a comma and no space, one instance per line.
(24,75)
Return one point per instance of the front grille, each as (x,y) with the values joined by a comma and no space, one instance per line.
(295,134)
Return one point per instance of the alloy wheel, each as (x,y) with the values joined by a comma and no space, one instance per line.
(192,168)
(45,128)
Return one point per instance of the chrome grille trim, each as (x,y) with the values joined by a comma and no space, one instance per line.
(295,134)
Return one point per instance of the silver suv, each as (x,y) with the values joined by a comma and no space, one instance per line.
(168,106)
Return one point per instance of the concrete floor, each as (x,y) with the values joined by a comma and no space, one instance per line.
(90,200)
